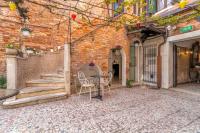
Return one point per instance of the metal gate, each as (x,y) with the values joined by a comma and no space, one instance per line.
(150,64)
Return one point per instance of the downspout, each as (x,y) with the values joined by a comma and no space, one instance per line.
(159,60)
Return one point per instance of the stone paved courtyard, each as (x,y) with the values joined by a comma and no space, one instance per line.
(136,110)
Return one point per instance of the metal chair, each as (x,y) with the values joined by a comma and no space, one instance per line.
(85,84)
(107,81)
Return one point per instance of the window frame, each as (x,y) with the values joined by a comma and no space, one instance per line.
(118,3)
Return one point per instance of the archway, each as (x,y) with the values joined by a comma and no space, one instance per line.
(117,65)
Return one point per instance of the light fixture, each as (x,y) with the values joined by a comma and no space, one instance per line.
(59,47)
(169,27)
(25,31)
(136,43)
(12,6)
(183,3)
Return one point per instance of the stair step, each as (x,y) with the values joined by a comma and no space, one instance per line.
(52,76)
(13,103)
(45,82)
(31,92)
(38,89)
(60,71)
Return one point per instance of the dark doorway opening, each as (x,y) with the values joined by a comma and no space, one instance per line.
(116,71)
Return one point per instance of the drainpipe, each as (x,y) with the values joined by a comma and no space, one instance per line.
(159,61)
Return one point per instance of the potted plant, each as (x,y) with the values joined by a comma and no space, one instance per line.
(30,51)
(3,82)
(11,49)
(129,83)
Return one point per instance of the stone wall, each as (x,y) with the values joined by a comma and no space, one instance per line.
(32,67)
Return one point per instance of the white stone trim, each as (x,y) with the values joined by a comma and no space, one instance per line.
(67,67)
(123,67)
(184,37)
(11,67)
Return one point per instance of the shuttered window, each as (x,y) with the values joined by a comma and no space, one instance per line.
(117,6)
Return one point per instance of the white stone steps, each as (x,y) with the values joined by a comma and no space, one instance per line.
(60,71)
(52,76)
(45,83)
(39,89)
(31,100)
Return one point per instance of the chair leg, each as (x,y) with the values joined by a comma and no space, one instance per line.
(109,88)
(103,88)
(80,91)
(90,93)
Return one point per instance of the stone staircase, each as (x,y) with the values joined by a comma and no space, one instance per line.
(49,87)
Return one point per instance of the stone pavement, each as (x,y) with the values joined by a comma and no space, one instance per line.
(135,110)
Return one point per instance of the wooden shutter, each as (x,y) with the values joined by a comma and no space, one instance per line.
(152,6)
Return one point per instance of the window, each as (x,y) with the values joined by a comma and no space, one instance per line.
(116,7)
(152,6)
(169,2)
(161,4)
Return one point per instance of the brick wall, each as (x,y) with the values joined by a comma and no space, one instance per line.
(96,47)
(45,33)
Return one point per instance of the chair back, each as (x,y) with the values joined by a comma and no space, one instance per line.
(81,77)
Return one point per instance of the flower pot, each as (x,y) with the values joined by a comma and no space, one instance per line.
(11,51)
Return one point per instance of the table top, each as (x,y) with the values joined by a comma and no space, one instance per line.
(103,76)
(6,93)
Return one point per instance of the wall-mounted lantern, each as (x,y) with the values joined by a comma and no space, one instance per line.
(26,31)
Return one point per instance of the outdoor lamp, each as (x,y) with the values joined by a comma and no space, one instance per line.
(137,43)
(59,47)
(51,50)
(183,3)
(73,16)
(169,27)
(12,6)
(26,32)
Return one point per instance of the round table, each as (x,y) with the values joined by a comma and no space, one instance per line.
(6,93)
(99,96)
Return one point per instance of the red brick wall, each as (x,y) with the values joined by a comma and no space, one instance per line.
(42,38)
(96,47)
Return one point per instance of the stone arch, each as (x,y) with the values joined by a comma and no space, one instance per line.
(123,67)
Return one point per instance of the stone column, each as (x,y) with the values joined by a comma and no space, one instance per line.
(123,67)
(11,61)
(167,65)
(67,68)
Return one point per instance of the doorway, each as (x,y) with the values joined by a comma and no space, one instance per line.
(117,65)
(116,72)
(150,64)
(186,63)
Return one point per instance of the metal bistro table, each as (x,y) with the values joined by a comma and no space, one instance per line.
(99,96)
(4,94)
